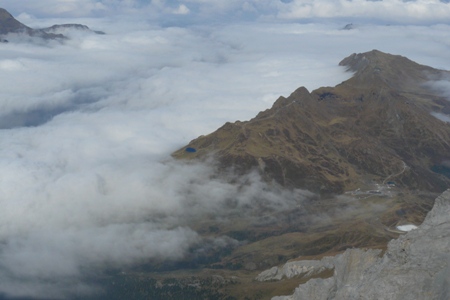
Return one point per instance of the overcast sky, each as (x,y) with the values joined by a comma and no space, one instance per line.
(195,11)
(87,127)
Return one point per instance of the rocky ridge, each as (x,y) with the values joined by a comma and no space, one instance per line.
(376,127)
(415,266)
(61,28)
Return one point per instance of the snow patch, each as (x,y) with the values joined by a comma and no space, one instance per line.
(407,227)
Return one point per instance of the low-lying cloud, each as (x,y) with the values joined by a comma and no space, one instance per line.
(88,125)
(442,86)
(442,117)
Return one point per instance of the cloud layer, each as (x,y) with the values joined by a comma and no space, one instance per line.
(87,127)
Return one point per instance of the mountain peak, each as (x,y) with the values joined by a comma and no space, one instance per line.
(369,128)
(9,24)
(396,71)
(358,62)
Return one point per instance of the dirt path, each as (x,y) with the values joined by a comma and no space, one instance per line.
(396,174)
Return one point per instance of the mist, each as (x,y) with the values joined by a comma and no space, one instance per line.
(87,126)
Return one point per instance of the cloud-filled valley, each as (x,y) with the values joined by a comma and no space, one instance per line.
(87,126)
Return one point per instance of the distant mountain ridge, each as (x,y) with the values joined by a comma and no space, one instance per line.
(375,127)
(9,25)
(62,27)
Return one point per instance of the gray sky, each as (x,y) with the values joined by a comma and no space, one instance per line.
(397,11)
(87,127)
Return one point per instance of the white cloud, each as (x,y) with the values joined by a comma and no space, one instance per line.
(390,11)
(442,117)
(442,86)
(181,10)
(91,183)
(11,65)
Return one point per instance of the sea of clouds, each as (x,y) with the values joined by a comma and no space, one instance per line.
(87,126)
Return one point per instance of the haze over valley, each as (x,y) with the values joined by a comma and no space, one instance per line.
(96,205)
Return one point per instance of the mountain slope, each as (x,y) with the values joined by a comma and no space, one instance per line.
(374,128)
(9,25)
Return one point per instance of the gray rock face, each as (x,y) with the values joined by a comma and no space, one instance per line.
(415,266)
(296,268)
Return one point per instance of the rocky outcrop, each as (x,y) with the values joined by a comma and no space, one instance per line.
(415,266)
(306,268)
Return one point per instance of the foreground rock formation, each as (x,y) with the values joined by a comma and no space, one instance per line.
(415,266)
(376,127)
